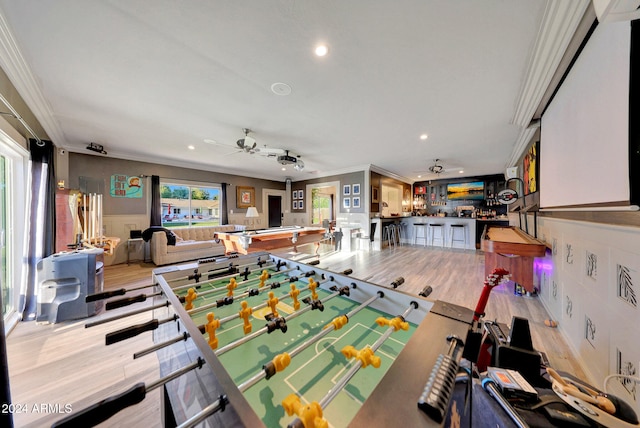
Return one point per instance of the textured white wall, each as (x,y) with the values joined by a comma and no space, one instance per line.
(590,283)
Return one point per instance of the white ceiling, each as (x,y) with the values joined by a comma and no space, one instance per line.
(146,79)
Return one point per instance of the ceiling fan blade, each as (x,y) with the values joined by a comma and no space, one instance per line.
(267,151)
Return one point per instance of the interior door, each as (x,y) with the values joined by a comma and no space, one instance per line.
(275,211)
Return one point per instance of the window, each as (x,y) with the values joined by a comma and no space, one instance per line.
(13,195)
(185,205)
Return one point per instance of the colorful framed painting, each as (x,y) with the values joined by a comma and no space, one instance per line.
(530,170)
(245,197)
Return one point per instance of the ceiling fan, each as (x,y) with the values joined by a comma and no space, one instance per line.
(248,144)
(438,168)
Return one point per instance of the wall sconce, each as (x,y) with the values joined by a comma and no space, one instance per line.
(61,184)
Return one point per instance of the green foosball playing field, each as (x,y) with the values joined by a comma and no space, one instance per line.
(318,363)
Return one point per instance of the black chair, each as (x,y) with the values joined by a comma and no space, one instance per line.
(371,236)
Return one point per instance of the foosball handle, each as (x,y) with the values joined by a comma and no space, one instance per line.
(434,400)
(103,410)
(105,295)
(397,282)
(114,304)
(126,333)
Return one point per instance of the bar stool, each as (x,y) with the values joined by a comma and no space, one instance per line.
(418,227)
(434,227)
(390,234)
(400,232)
(452,232)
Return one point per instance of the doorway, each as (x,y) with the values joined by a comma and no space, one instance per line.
(274,211)
(323,204)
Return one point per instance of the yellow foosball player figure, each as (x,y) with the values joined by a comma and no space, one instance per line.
(310,414)
(232,285)
(272,302)
(365,355)
(337,323)
(189,298)
(312,286)
(294,293)
(211,327)
(244,314)
(397,323)
(263,278)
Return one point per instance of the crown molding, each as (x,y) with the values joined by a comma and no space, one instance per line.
(20,75)
(560,21)
(391,174)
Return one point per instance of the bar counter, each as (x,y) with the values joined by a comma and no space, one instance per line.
(407,224)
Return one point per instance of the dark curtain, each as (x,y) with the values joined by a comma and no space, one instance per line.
(42,219)
(224,216)
(634,110)
(156,204)
(6,418)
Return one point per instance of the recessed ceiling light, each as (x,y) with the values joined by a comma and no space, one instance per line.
(424,136)
(321,50)
(284,169)
(191,147)
(419,176)
(279,88)
(461,172)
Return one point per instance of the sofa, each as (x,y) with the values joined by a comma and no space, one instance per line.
(191,243)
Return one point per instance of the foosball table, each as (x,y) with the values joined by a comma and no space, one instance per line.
(259,340)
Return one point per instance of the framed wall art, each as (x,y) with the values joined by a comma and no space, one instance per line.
(245,197)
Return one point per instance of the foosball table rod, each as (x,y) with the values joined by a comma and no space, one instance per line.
(229,272)
(113,293)
(292,401)
(313,305)
(264,305)
(103,410)
(181,337)
(217,406)
(132,331)
(128,314)
(271,368)
(241,295)
(236,273)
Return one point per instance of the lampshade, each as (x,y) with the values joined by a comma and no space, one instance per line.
(252,212)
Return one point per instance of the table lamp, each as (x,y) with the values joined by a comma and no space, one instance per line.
(252,212)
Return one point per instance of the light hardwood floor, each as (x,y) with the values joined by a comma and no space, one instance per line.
(67,363)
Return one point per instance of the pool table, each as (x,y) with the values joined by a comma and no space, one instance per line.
(269,239)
